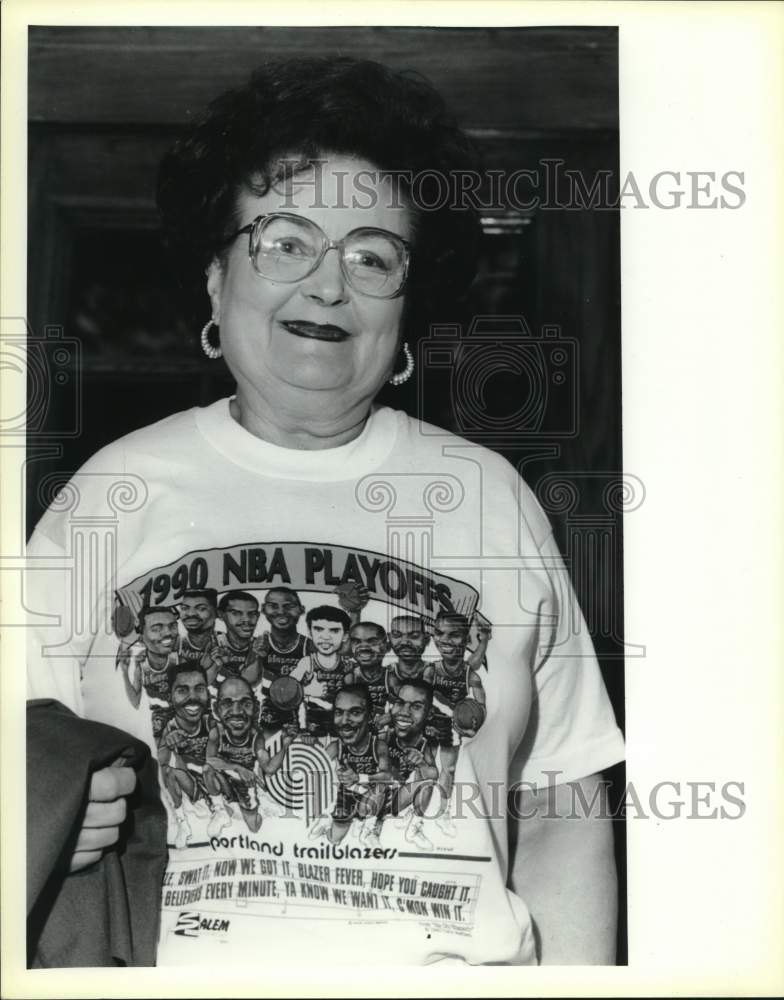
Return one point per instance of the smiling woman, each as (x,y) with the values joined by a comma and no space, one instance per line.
(324,330)
(400,712)
(315,161)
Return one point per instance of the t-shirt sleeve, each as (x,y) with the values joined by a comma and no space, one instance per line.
(55,648)
(572,731)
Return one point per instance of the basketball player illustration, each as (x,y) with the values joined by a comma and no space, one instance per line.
(412,769)
(409,640)
(234,653)
(145,663)
(278,650)
(182,752)
(458,699)
(322,672)
(359,755)
(198,611)
(352,598)
(368,644)
(237,755)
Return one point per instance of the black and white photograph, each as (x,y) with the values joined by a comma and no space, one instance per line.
(331,511)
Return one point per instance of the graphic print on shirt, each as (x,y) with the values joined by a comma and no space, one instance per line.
(318,698)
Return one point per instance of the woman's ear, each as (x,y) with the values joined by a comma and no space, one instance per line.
(214,274)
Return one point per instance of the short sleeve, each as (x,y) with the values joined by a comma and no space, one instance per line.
(55,650)
(572,731)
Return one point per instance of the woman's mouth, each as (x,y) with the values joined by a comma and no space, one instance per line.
(316,331)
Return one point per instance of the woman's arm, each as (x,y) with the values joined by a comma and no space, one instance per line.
(562,865)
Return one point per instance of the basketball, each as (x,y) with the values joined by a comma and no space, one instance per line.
(124,621)
(468,715)
(286,693)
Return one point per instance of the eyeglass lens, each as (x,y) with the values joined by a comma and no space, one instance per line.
(288,248)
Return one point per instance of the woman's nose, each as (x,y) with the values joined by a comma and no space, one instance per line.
(326,284)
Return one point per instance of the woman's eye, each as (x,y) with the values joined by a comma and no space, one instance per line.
(291,248)
(365,258)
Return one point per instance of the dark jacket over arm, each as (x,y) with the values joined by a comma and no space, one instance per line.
(107,914)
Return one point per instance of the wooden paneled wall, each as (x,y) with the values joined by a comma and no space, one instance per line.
(540,79)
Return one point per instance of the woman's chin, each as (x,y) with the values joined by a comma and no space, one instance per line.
(331,377)
(319,381)
(280,380)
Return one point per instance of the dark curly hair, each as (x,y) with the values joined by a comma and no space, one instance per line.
(359,689)
(148,610)
(307,108)
(184,667)
(325,612)
(236,595)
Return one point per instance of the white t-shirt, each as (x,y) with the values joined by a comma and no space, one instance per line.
(430,524)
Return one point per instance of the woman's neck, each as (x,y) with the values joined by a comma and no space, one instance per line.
(306,431)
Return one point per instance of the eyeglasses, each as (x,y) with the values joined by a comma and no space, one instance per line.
(288,248)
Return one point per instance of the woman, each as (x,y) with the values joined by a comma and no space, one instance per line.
(306,201)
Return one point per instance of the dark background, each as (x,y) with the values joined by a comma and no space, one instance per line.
(114,348)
